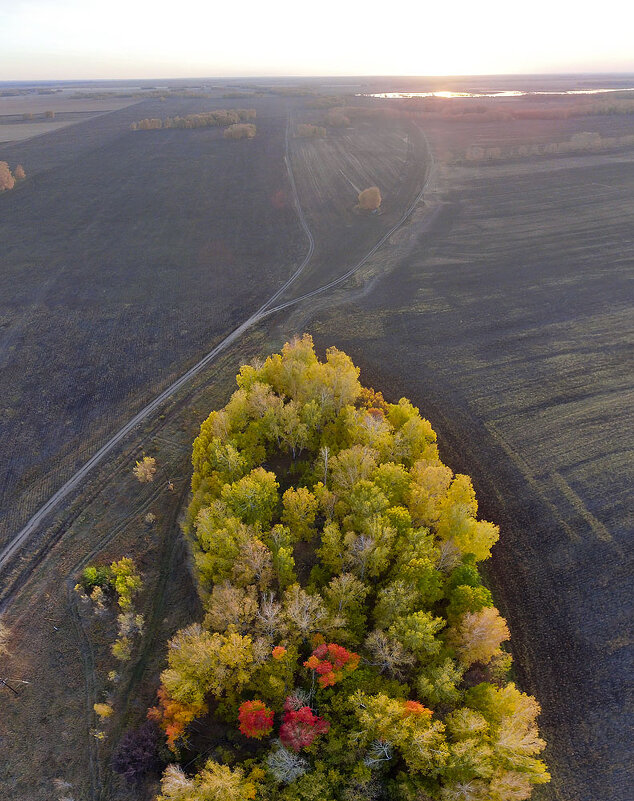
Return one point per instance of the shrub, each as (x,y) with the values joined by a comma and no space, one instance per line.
(145,470)
(95,576)
(7,181)
(103,710)
(310,131)
(136,754)
(240,131)
(370,199)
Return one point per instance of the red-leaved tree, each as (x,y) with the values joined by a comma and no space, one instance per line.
(300,727)
(256,719)
(332,663)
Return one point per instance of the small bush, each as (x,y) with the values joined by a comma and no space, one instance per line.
(241,130)
(370,199)
(95,576)
(7,181)
(307,131)
(136,755)
(145,469)
(103,710)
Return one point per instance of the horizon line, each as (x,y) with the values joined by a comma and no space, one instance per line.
(290,76)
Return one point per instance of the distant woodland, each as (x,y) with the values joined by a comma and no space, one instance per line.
(209,119)
(349,647)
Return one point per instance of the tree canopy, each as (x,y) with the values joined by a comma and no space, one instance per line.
(349,648)
(370,198)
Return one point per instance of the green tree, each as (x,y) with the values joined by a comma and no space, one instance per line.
(408,726)
(332,548)
(126,581)
(299,512)
(253,498)
(440,683)
(417,632)
(200,663)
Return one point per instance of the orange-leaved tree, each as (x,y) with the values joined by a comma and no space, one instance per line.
(174,716)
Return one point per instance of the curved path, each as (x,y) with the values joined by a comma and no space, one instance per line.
(265,310)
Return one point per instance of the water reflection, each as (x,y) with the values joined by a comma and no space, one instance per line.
(503,93)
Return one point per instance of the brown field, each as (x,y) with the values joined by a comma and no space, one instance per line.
(510,325)
(502,308)
(68,111)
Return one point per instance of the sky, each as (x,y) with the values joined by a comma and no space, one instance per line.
(100,39)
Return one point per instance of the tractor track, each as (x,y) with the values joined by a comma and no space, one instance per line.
(12,549)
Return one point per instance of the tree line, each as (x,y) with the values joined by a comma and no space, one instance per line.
(210,119)
(349,647)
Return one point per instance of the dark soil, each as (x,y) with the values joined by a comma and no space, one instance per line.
(510,326)
(123,261)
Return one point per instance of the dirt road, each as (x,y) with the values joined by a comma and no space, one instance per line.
(266,309)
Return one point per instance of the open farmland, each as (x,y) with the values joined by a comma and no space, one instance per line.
(503,309)
(23,116)
(510,323)
(121,266)
(331,172)
(164,243)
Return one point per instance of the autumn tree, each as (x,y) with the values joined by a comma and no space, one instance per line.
(408,726)
(332,663)
(230,606)
(175,716)
(301,727)
(215,782)
(300,509)
(337,565)
(256,719)
(307,131)
(19,173)
(145,469)
(478,635)
(240,130)
(370,199)
(7,181)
